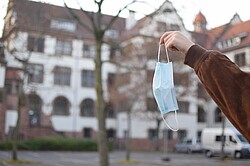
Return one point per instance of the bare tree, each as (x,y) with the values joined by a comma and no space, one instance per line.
(22,57)
(21,103)
(97,27)
(131,87)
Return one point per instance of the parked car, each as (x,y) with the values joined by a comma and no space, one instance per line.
(189,146)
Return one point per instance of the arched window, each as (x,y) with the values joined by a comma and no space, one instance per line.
(35,106)
(87,108)
(61,106)
(217,115)
(201,114)
(110,110)
(111,134)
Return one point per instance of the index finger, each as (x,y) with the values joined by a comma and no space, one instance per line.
(164,35)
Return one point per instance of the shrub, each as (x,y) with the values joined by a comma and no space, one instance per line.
(53,144)
(5,145)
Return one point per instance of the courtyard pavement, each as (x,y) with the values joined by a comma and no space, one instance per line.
(117,158)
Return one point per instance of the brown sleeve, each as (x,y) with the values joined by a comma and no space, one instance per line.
(228,86)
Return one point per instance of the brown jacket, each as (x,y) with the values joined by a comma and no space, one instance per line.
(226,83)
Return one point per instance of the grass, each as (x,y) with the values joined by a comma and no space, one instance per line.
(11,162)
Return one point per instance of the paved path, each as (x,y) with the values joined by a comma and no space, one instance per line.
(117,159)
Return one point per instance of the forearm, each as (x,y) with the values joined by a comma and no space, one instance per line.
(225,82)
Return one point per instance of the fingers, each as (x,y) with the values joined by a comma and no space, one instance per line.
(168,39)
(164,36)
(175,40)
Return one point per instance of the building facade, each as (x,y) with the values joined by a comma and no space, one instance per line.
(59,79)
(60,83)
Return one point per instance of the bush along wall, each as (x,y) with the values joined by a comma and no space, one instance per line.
(54,144)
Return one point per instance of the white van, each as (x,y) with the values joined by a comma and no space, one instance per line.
(235,144)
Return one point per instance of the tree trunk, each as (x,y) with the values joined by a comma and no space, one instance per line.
(157,147)
(128,139)
(16,129)
(102,134)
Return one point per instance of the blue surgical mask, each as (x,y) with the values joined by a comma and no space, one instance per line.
(163,89)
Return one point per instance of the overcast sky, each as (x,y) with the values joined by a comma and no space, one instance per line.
(217,12)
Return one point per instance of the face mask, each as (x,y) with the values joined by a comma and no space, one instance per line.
(163,89)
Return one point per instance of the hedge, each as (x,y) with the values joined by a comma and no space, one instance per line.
(54,144)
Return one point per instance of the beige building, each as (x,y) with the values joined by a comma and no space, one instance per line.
(60,84)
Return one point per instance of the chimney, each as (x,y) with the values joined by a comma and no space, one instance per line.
(130,21)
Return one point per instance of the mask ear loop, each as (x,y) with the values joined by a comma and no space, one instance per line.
(175,112)
(159,52)
(176,120)
(167,55)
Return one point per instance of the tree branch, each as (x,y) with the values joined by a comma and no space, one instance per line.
(129,68)
(79,20)
(118,13)
(24,61)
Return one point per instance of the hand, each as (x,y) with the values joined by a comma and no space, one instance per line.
(176,41)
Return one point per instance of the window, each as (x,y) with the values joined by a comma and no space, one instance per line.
(174,27)
(63,47)
(111,133)
(182,134)
(110,110)
(11,87)
(87,108)
(161,26)
(112,52)
(112,33)
(232,139)
(88,78)
(183,106)
(62,75)
(201,114)
(88,51)
(151,105)
(240,59)
(63,25)
(1,95)
(61,106)
(199,134)
(35,73)
(217,115)
(35,44)
(111,79)
(229,42)
(152,133)
(35,105)
(218,138)
(87,133)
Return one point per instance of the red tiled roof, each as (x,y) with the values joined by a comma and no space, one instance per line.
(210,38)
(37,16)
